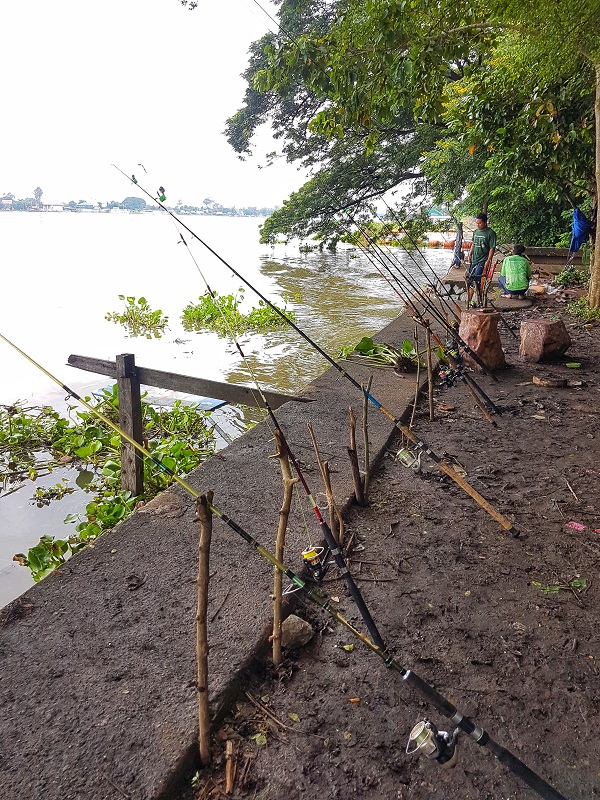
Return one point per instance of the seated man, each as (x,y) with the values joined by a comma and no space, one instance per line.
(515,274)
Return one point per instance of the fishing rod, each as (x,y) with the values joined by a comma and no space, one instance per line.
(317,563)
(435,744)
(485,403)
(429,740)
(453,356)
(429,305)
(421,446)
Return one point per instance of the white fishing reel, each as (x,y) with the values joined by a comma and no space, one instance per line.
(436,745)
(410,458)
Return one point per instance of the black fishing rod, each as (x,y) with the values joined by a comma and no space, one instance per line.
(429,305)
(445,291)
(457,371)
(316,564)
(442,745)
(419,443)
(454,358)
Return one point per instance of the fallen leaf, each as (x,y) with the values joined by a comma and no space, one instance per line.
(348,647)
(260,739)
(294,717)
(347,735)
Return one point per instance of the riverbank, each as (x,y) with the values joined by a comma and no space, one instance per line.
(505,628)
(98,660)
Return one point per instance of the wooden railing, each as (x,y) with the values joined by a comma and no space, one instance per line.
(130,377)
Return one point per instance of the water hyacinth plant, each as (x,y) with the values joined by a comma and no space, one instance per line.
(180,437)
(139,319)
(382,355)
(222,314)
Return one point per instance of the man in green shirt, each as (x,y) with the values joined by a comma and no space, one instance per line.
(482,253)
(515,274)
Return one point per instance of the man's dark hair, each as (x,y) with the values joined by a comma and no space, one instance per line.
(519,249)
(482,217)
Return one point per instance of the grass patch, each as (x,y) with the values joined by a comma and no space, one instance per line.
(582,311)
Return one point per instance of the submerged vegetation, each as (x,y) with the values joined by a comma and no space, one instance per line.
(222,314)
(36,441)
(139,319)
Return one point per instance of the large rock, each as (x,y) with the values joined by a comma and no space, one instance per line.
(479,329)
(543,339)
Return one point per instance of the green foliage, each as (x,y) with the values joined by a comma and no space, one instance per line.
(381,355)
(581,310)
(139,319)
(571,276)
(101,514)
(222,314)
(26,436)
(180,438)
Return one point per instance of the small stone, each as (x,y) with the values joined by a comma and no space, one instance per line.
(295,632)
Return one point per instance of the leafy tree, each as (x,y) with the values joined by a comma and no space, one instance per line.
(373,61)
(133,203)
(38,195)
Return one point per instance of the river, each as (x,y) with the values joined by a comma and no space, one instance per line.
(62,273)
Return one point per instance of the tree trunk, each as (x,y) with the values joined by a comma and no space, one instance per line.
(594,292)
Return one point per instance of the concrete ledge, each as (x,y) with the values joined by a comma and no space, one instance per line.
(97,662)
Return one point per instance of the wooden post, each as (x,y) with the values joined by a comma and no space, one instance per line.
(130,420)
(284,513)
(429,372)
(359,492)
(205,518)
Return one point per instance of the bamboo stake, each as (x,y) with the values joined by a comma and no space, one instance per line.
(288,483)
(204,516)
(366,440)
(336,521)
(414,409)
(429,374)
(230,765)
(358,484)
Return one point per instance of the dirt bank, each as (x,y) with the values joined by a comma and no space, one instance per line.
(505,628)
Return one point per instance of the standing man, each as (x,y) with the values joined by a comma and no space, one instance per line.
(515,275)
(482,253)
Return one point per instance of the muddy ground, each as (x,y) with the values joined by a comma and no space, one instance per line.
(506,628)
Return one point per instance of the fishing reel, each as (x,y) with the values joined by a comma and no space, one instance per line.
(410,458)
(315,558)
(448,377)
(435,745)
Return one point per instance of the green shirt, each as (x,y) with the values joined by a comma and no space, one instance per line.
(517,272)
(483,242)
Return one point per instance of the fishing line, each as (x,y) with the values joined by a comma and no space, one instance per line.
(318,566)
(420,444)
(485,403)
(412,680)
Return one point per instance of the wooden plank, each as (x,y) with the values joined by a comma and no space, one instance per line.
(230,392)
(130,420)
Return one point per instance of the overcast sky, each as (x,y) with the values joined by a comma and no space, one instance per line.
(87,84)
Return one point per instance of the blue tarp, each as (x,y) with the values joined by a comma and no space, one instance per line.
(581,230)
